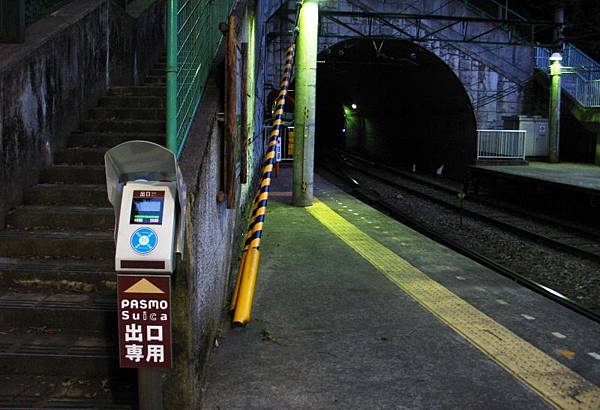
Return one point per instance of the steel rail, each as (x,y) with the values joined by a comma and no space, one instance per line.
(534,236)
(593,235)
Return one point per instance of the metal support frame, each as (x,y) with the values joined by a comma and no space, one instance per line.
(528,29)
(468,22)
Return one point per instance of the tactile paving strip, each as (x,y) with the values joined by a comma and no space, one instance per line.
(553,381)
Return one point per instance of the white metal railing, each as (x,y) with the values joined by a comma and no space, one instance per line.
(501,144)
(581,80)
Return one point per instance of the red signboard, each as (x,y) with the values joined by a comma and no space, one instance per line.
(144,320)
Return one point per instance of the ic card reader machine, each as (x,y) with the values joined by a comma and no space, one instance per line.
(147,193)
(146,232)
(145,189)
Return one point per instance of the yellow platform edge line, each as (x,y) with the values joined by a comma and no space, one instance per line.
(553,381)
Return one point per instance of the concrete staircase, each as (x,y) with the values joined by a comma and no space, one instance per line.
(58,344)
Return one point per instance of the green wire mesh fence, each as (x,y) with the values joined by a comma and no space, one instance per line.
(193,38)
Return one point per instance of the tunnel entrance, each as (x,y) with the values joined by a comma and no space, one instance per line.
(395,102)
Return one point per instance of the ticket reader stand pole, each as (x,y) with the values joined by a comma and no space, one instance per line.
(150,395)
(146,191)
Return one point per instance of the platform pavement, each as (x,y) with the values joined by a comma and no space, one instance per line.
(329,330)
(569,174)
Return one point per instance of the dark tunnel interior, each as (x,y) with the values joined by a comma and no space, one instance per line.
(395,102)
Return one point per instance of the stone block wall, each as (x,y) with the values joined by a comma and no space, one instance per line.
(494,76)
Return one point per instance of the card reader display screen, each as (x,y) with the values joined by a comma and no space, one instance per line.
(147,207)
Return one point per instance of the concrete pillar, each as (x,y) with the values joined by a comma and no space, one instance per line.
(554,112)
(304,114)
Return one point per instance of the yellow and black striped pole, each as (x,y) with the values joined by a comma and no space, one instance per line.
(243,295)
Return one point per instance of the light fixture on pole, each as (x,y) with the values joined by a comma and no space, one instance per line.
(555,60)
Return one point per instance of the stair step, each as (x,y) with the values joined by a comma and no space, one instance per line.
(99,139)
(132,102)
(58,275)
(138,91)
(80,312)
(57,244)
(83,218)
(73,174)
(120,126)
(81,155)
(65,194)
(66,392)
(123,113)
(155,79)
(47,350)
(58,320)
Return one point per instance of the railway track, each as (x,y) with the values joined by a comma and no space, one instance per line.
(377,201)
(494,203)
(558,235)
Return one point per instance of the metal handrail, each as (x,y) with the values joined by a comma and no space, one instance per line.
(581,75)
(241,302)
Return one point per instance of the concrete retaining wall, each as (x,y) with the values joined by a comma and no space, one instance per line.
(201,280)
(48,83)
(204,280)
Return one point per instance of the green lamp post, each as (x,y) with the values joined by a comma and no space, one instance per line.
(554,112)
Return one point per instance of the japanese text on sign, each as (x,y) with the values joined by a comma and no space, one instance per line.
(144,321)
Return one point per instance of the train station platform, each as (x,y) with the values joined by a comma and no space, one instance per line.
(355,310)
(565,175)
